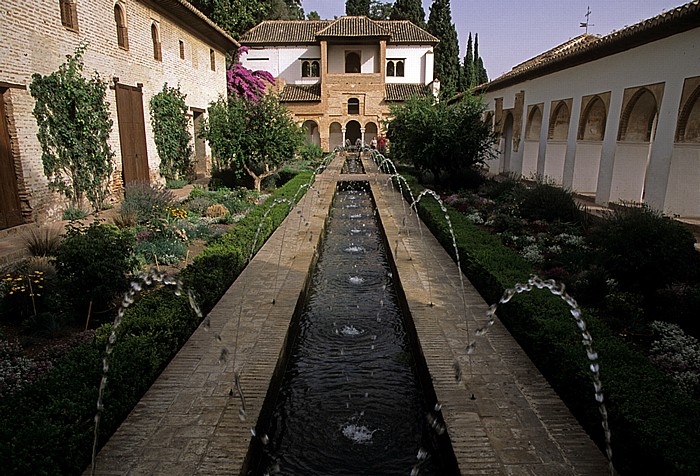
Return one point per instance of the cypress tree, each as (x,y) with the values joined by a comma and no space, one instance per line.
(411,10)
(480,76)
(447,68)
(468,67)
(357,8)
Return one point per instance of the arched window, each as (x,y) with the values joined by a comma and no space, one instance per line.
(310,69)
(689,122)
(182,49)
(157,53)
(534,124)
(592,126)
(395,67)
(638,118)
(69,14)
(120,20)
(352,62)
(559,124)
(353,106)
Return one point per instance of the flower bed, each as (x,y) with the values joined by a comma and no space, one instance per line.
(48,426)
(654,424)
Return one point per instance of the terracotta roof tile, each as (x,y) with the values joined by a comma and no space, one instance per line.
(301,92)
(296,32)
(353,27)
(401,92)
(403,31)
(677,20)
(284,32)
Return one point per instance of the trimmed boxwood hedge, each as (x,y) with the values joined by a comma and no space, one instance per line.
(655,428)
(47,428)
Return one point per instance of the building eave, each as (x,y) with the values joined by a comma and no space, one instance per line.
(194,20)
(681,19)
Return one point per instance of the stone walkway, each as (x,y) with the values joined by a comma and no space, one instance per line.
(188,422)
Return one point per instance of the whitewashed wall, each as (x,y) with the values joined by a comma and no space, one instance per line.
(670,177)
(418,62)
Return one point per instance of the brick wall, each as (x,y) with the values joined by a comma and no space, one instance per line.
(35,41)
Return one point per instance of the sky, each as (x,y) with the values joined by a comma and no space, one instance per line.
(512,31)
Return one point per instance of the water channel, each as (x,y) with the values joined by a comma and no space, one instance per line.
(351,401)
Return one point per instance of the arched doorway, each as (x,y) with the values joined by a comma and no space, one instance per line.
(532,141)
(352,132)
(557,136)
(335,135)
(589,145)
(371,132)
(683,189)
(636,133)
(352,62)
(311,131)
(507,146)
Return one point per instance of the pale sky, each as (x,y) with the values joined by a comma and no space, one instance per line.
(512,31)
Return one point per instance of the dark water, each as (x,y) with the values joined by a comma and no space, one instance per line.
(350,403)
(352,165)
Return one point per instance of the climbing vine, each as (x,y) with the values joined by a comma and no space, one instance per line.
(171,132)
(74,126)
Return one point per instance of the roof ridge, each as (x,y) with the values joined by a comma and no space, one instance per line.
(612,41)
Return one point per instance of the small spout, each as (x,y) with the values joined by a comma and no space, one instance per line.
(472,397)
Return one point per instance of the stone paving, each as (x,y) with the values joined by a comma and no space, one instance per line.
(188,422)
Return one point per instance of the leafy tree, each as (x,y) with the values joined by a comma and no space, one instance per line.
(251,137)
(285,10)
(171,132)
(246,83)
(74,125)
(440,138)
(234,16)
(447,51)
(357,7)
(313,15)
(379,10)
(411,10)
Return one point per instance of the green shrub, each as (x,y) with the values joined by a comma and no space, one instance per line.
(654,425)
(146,201)
(73,214)
(170,125)
(48,426)
(176,183)
(310,153)
(502,188)
(645,250)
(161,249)
(198,204)
(93,263)
(550,203)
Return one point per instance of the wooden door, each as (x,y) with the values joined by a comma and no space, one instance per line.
(10,210)
(132,134)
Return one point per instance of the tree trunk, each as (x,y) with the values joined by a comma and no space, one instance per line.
(257,179)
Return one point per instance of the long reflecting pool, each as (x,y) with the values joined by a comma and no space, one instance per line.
(350,401)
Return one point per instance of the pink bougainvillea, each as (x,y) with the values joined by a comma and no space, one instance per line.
(245,83)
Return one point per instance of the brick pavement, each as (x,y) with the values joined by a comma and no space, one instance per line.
(188,421)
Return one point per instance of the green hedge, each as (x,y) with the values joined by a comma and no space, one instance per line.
(47,428)
(654,426)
